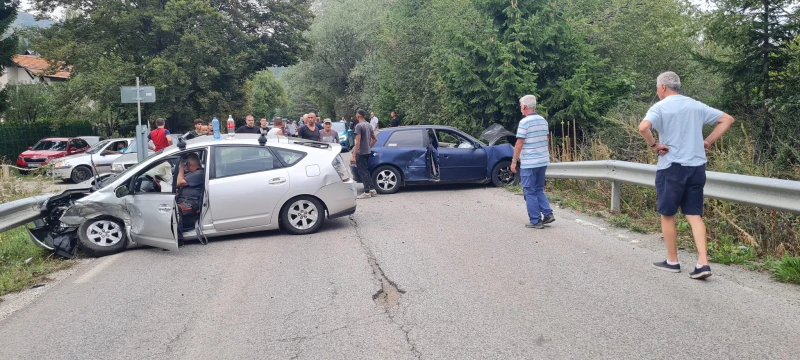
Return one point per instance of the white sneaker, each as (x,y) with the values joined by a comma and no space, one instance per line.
(364,196)
(373,192)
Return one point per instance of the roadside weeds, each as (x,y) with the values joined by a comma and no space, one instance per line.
(723,249)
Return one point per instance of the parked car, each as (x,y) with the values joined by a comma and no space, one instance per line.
(130,158)
(78,167)
(287,184)
(402,157)
(51,148)
(346,137)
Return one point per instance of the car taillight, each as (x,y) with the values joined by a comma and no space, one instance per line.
(343,171)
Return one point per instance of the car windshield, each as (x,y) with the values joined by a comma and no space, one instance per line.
(111,178)
(338,127)
(50,145)
(97,147)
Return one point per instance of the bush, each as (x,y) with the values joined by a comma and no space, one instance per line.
(787,269)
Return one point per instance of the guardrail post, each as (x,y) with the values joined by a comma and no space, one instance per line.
(616,194)
(6,172)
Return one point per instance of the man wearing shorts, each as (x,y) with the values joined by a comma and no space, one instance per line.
(681,170)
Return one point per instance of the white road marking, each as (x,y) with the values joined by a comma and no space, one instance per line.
(97,269)
(586,223)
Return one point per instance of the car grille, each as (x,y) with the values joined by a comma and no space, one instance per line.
(32,160)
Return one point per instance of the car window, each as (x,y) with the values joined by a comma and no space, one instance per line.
(157,178)
(238,160)
(51,145)
(289,157)
(339,127)
(97,147)
(82,144)
(406,138)
(452,140)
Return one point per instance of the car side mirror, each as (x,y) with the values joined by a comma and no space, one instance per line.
(122,191)
(104,153)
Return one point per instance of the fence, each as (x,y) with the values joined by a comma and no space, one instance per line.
(16,138)
(751,190)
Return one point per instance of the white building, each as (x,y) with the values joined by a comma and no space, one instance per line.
(32,69)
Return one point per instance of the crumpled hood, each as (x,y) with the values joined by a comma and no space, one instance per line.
(496,132)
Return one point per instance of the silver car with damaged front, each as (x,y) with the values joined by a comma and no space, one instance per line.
(287,184)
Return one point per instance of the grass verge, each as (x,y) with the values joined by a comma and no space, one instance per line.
(23,264)
(592,197)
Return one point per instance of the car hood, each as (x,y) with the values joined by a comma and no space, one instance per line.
(23,211)
(128,158)
(76,157)
(497,132)
(42,153)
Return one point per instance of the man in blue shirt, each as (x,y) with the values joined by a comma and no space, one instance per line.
(681,170)
(532,152)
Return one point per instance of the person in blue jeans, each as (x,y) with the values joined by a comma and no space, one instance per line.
(533,155)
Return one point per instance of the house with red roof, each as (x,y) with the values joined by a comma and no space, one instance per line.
(32,69)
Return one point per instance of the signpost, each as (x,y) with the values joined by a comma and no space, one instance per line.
(139,94)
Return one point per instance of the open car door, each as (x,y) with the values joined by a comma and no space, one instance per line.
(159,227)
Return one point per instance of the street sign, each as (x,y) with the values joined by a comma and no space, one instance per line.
(130,95)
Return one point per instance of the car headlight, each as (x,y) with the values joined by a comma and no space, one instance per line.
(117,167)
(62,164)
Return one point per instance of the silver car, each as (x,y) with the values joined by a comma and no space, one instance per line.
(287,184)
(78,168)
(130,158)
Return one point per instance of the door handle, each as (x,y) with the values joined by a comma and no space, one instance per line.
(277,181)
(164,208)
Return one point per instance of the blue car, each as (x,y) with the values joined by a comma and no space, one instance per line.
(415,155)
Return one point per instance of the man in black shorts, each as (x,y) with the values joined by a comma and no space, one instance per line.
(681,173)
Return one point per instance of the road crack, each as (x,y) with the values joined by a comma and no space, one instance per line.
(388,296)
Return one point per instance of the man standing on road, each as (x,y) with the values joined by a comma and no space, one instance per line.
(681,169)
(263,126)
(365,139)
(395,120)
(531,151)
(373,121)
(160,136)
(198,129)
(311,130)
(328,135)
(277,127)
(249,126)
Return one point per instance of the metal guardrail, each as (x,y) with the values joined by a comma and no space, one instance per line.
(20,212)
(750,190)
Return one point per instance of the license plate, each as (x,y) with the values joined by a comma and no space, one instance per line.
(34,165)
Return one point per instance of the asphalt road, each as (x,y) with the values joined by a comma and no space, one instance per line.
(431,273)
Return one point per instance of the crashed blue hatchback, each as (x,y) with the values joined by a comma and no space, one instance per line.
(429,154)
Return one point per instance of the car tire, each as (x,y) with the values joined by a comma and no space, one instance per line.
(80,174)
(297,212)
(102,236)
(387,180)
(502,175)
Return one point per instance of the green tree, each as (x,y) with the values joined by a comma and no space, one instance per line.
(28,103)
(8,45)
(759,39)
(198,54)
(267,94)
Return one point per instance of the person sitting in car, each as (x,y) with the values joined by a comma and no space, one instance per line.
(117,148)
(191,178)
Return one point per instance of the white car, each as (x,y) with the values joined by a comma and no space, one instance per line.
(284,183)
(78,167)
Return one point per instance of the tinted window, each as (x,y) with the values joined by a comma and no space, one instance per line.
(289,157)
(237,160)
(407,138)
(78,144)
(51,145)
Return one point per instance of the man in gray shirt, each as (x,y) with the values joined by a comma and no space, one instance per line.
(365,139)
(681,170)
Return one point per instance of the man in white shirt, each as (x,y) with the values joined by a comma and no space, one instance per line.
(373,121)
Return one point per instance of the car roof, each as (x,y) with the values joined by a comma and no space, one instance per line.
(419,127)
(252,139)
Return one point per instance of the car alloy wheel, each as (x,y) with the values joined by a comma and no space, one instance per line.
(104,233)
(386,180)
(505,175)
(303,214)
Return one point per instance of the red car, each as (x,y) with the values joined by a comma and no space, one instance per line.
(49,149)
